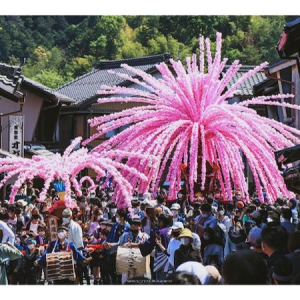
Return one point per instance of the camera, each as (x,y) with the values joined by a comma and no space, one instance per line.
(291,176)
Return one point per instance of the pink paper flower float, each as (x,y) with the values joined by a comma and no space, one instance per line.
(187,120)
(67,167)
(91,182)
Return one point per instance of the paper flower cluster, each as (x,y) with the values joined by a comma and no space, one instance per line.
(187,119)
(67,167)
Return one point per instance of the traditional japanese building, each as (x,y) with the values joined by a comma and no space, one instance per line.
(84,89)
(35,106)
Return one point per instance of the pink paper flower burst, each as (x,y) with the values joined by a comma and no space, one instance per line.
(67,167)
(187,119)
(92,186)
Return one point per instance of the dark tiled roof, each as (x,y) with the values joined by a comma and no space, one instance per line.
(87,86)
(246,88)
(7,71)
(52,94)
(10,82)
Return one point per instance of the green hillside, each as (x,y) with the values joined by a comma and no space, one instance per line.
(60,48)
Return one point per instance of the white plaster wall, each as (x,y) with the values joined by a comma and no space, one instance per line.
(31,111)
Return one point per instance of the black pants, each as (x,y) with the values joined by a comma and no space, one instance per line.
(31,275)
(83,272)
(63,282)
(104,271)
(18,278)
(113,277)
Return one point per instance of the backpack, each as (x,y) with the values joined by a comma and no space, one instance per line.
(220,237)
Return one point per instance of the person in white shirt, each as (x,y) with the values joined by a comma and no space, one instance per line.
(174,244)
(222,219)
(8,234)
(75,231)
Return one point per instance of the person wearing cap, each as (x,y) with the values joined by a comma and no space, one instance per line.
(205,219)
(175,209)
(131,239)
(186,252)
(62,244)
(31,255)
(174,244)
(75,230)
(254,239)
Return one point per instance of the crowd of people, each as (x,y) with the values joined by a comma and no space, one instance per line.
(208,241)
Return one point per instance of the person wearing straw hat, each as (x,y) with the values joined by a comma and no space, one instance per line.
(186,252)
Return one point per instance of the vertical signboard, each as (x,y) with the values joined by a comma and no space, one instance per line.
(53,227)
(16,135)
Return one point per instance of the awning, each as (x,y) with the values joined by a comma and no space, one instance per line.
(41,152)
(4,154)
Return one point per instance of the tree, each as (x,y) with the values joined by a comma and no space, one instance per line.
(79,66)
(49,78)
(71,45)
(162,44)
(130,46)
